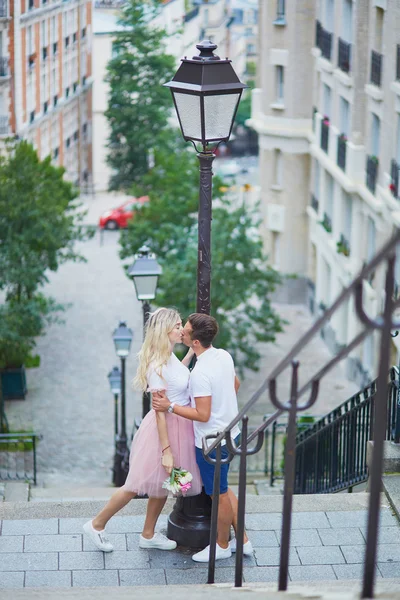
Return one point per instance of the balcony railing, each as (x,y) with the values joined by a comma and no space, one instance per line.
(398,62)
(4,70)
(372,173)
(324,41)
(314,203)
(3,9)
(341,152)
(376,68)
(344,55)
(394,173)
(191,15)
(325,135)
(4,127)
(327,223)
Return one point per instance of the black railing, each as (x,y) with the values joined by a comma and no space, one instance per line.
(341,152)
(376,68)
(372,173)
(314,203)
(344,55)
(191,15)
(325,135)
(4,70)
(331,455)
(394,173)
(3,9)
(18,457)
(398,62)
(380,419)
(324,41)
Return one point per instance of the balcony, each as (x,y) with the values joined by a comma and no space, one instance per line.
(344,55)
(394,174)
(324,41)
(325,135)
(372,173)
(4,68)
(3,9)
(398,62)
(4,127)
(314,203)
(341,151)
(376,68)
(343,246)
(327,223)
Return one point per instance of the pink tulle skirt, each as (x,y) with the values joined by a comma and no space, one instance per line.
(146,473)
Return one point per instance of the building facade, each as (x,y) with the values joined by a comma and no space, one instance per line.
(345,196)
(46,79)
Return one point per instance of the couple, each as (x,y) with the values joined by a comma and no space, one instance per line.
(186,407)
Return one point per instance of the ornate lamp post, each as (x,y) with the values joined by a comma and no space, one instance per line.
(114,379)
(122,338)
(206,92)
(145,272)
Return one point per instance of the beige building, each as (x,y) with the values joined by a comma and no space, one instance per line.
(338,150)
(45,80)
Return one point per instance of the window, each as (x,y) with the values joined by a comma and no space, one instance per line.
(329,14)
(344,116)
(317,177)
(347,21)
(279,84)
(330,187)
(347,216)
(379,14)
(30,40)
(280,11)
(375,135)
(278,168)
(53,29)
(327,100)
(371,239)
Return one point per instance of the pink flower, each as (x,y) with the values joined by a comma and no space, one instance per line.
(185,487)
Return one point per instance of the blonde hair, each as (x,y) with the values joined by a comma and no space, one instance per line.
(156,349)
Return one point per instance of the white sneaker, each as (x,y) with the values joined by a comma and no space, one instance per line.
(97,537)
(159,541)
(247,547)
(204,555)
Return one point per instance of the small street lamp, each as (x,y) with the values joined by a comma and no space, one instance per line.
(206,92)
(122,338)
(145,272)
(114,378)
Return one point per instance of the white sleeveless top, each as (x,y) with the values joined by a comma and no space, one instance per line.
(175,380)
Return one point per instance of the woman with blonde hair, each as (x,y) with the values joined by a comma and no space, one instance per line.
(163,440)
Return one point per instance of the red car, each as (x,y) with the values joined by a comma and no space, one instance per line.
(117,218)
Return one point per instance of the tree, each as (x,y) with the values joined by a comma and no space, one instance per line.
(39,221)
(241,280)
(139,106)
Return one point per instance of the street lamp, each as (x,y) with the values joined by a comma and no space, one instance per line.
(114,378)
(122,338)
(206,92)
(145,272)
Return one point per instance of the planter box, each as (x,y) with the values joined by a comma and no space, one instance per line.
(13,383)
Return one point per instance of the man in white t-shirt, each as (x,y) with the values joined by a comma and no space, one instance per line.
(213,386)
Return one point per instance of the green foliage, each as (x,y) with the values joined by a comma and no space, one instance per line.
(241,279)
(39,222)
(139,106)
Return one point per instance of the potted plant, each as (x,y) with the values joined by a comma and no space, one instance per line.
(343,246)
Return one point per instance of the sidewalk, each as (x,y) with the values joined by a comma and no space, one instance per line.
(328,541)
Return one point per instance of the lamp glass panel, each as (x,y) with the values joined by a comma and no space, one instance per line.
(115,384)
(122,347)
(188,107)
(219,113)
(146,286)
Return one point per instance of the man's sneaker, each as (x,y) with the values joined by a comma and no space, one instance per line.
(247,547)
(159,541)
(220,553)
(97,537)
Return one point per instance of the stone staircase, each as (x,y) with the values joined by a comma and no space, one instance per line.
(41,546)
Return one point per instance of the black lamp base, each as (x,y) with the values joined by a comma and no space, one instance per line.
(189,521)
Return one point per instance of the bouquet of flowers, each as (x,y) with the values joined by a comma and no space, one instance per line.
(179,481)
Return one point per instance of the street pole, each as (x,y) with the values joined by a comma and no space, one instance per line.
(121,459)
(146,395)
(204,236)
(116,415)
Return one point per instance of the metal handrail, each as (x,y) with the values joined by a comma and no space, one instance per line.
(384,323)
(8,473)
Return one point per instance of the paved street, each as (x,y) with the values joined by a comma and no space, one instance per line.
(69,401)
(326,546)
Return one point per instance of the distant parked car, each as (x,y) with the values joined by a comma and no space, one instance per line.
(118,218)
